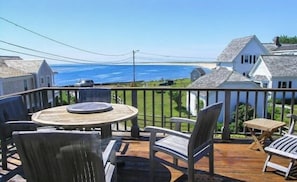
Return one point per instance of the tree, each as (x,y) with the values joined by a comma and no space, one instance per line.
(288,40)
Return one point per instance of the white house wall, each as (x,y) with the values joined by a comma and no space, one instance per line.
(45,73)
(252,48)
(275,81)
(233,100)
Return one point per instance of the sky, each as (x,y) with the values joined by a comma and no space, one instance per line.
(110,31)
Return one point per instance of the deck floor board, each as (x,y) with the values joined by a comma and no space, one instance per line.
(233,162)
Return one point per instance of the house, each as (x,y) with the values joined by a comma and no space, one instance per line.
(196,73)
(241,54)
(222,77)
(277,48)
(19,75)
(275,71)
(41,71)
(13,80)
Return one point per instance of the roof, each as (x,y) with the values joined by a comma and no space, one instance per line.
(284,47)
(234,48)
(2,58)
(7,72)
(281,65)
(217,77)
(200,70)
(260,78)
(28,66)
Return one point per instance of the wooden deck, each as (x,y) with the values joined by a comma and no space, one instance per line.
(233,162)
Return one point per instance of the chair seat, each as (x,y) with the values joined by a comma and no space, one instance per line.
(285,146)
(174,144)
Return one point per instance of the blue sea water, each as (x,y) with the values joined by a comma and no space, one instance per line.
(68,74)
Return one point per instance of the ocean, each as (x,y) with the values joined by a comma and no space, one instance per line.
(68,74)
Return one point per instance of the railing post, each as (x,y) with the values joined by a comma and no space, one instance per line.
(44,101)
(226,129)
(135,127)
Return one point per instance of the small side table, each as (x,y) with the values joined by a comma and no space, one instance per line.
(267,126)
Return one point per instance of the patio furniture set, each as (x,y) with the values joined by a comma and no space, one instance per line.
(92,153)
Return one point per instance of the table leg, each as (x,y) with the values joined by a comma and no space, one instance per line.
(106,131)
(259,141)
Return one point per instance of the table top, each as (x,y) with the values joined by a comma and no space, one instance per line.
(264,124)
(59,116)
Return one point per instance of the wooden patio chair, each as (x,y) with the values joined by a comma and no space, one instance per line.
(70,156)
(186,147)
(94,95)
(14,116)
(285,147)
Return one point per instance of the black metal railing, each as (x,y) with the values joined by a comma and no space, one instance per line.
(157,105)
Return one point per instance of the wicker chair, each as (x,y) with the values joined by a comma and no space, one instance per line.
(53,155)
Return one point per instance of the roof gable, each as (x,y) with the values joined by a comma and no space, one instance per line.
(235,47)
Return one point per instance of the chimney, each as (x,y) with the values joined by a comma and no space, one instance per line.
(276,41)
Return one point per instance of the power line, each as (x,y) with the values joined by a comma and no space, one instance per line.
(69,61)
(51,54)
(39,56)
(59,42)
(172,56)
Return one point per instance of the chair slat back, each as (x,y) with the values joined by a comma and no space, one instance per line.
(41,153)
(205,125)
(95,95)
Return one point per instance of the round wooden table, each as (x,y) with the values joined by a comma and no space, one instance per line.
(61,117)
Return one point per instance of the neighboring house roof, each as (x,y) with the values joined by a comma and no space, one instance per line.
(272,47)
(261,78)
(235,47)
(28,66)
(217,77)
(199,70)
(281,65)
(7,72)
(2,58)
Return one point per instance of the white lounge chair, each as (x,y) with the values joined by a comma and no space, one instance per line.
(285,146)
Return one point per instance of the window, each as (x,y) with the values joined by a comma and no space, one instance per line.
(251,59)
(241,59)
(255,59)
(265,85)
(285,84)
(246,58)
(25,85)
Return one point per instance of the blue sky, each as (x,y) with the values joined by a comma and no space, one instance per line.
(161,30)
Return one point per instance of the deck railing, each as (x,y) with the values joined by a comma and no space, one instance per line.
(157,105)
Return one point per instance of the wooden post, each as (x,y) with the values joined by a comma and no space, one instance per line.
(135,127)
(226,129)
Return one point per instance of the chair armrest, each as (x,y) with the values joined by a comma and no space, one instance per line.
(292,124)
(20,125)
(107,154)
(178,121)
(155,129)
(182,120)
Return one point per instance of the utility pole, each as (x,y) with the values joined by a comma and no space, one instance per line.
(134,51)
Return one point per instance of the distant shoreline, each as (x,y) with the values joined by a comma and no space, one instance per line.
(209,65)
